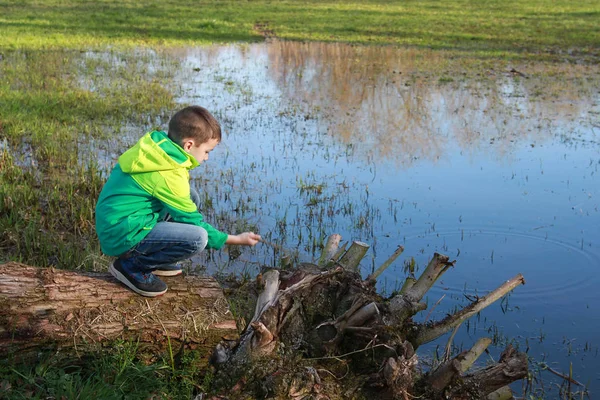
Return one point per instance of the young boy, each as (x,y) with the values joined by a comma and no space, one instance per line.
(147,215)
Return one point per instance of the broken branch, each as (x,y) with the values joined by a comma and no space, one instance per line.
(427,333)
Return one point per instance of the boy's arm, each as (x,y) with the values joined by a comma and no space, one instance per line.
(216,238)
(182,209)
(174,195)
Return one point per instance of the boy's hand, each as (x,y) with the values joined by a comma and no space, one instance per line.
(244,239)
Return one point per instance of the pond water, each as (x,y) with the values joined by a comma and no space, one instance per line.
(497,169)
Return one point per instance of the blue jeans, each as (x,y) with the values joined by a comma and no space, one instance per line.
(166,244)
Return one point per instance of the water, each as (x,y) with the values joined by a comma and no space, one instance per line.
(496,170)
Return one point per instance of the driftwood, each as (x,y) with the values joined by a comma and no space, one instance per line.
(321,331)
(76,312)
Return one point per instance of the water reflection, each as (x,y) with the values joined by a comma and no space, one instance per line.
(410,105)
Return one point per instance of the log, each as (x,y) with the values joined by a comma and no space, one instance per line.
(76,311)
(489,382)
(512,366)
(311,333)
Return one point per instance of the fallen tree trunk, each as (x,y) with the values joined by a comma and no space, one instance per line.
(77,311)
(322,331)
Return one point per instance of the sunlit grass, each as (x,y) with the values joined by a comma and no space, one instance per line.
(48,170)
(540,28)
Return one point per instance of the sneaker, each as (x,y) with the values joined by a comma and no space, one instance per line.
(143,283)
(168,270)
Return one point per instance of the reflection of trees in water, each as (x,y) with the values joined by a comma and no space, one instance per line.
(401,103)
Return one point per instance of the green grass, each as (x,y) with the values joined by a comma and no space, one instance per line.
(513,28)
(49,175)
(116,374)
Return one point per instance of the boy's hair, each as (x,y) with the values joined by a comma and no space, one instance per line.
(196,123)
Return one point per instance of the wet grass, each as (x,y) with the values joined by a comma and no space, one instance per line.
(538,29)
(49,165)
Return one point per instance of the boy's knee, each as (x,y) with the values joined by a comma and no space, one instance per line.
(201,240)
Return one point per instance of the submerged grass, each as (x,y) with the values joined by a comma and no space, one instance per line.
(497,28)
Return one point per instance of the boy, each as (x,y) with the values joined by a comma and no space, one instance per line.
(147,215)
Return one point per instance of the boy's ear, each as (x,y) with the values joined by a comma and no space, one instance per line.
(187,144)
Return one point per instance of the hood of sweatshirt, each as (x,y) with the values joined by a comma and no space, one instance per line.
(155,152)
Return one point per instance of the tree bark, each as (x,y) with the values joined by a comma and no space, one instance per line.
(45,307)
(512,366)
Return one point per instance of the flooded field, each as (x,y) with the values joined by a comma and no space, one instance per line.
(496,168)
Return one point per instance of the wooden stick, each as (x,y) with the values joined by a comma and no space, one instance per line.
(428,333)
(408,283)
(332,263)
(448,350)
(436,267)
(271,280)
(363,315)
(504,393)
(472,355)
(445,373)
(386,264)
(512,366)
(567,378)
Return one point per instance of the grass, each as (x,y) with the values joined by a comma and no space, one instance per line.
(48,169)
(510,28)
(117,374)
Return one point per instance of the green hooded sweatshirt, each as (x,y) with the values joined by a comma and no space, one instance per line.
(150,180)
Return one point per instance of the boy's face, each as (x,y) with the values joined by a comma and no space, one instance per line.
(200,153)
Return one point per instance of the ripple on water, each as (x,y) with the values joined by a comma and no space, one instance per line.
(555,272)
